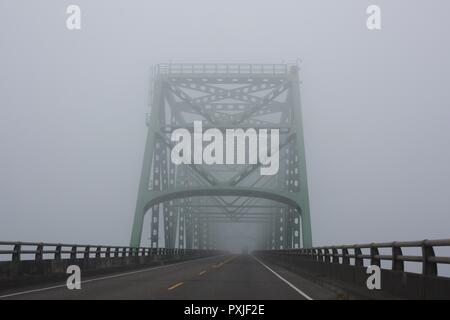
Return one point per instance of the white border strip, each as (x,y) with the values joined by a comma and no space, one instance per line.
(104,278)
(284,280)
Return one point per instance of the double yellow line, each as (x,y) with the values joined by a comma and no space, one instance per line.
(224,262)
(216,266)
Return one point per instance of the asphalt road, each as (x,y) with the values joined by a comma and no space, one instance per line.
(235,277)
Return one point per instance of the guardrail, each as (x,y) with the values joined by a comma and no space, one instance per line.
(225,68)
(59,251)
(352,254)
(344,268)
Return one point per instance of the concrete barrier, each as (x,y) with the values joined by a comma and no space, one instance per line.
(351,279)
(92,260)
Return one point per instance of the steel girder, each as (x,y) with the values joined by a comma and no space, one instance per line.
(223,96)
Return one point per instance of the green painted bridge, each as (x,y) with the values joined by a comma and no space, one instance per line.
(175,198)
(184,204)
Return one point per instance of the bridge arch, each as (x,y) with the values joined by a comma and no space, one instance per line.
(273,89)
(281,197)
(157,197)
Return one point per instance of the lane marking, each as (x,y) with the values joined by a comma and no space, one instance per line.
(103,278)
(224,262)
(202,273)
(284,280)
(176,286)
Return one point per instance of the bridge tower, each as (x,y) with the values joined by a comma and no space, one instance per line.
(185,203)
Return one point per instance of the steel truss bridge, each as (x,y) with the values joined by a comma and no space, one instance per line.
(186,202)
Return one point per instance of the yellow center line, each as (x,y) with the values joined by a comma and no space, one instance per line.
(224,262)
(202,273)
(176,286)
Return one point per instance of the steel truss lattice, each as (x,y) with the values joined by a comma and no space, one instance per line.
(186,202)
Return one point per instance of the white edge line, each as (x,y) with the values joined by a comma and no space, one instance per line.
(284,280)
(104,278)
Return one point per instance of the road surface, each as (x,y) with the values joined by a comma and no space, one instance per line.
(233,277)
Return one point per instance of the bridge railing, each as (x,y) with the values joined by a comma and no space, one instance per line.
(14,251)
(222,68)
(353,254)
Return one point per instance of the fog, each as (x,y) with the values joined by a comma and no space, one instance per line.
(376,110)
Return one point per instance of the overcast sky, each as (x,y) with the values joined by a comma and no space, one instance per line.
(376,108)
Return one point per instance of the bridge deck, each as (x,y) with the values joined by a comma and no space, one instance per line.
(223,277)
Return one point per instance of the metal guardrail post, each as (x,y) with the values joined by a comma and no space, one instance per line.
(374,256)
(315,254)
(87,251)
(326,255)
(58,252)
(428,267)
(359,261)
(16,252)
(39,252)
(335,256)
(73,253)
(397,264)
(345,257)
(98,253)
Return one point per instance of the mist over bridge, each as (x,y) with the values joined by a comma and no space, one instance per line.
(187,208)
(248,96)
